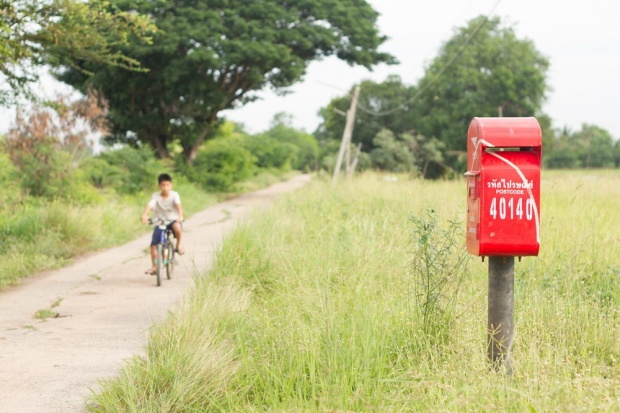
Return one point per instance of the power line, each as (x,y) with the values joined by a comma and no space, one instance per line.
(333,87)
(438,75)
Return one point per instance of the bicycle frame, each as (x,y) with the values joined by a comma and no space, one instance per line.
(163,247)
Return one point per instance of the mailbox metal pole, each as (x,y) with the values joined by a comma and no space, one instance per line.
(501,313)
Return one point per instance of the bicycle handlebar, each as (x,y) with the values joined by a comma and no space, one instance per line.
(161,221)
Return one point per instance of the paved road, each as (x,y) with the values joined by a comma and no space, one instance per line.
(106,305)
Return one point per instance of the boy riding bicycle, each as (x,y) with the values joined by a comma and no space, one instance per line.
(165,205)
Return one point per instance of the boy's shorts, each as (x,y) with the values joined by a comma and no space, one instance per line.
(156,239)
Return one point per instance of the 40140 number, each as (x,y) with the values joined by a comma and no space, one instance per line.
(512,208)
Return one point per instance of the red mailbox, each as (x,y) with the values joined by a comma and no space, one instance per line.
(503,186)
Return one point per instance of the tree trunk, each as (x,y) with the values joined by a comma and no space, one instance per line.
(190,150)
(190,153)
(160,146)
(425,168)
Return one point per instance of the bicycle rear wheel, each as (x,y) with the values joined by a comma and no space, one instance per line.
(170,262)
(160,262)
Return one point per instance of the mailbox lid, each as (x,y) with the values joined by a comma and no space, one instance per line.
(506,132)
(509,203)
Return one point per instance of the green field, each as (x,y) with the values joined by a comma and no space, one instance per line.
(360,297)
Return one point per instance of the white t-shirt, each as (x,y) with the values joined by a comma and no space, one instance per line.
(165,208)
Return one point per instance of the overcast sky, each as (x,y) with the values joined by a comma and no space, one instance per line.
(580,38)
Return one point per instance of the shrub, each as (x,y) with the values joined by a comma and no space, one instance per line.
(390,153)
(438,271)
(9,179)
(270,153)
(46,170)
(306,146)
(131,170)
(48,144)
(221,163)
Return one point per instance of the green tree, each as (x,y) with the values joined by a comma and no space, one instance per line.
(392,153)
(616,153)
(483,70)
(561,153)
(305,146)
(127,170)
(594,147)
(222,162)
(428,153)
(62,32)
(212,55)
(590,147)
(381,106)
(270,153)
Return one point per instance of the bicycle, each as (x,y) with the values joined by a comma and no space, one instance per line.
(165,250)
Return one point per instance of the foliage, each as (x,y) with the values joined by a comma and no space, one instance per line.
(196,73)
(429,153)
(232,155)
(391,153)
(438,270)
(590,147)
(48,145)
(221,163)
(62,32)
(594,147)
(492,69)
(562,155)
(306,145)
(270,153)
(406,153)
(9,179)
(328,152)
(132,170)
(381,106)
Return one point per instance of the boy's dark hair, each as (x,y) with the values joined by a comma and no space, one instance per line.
(164,178)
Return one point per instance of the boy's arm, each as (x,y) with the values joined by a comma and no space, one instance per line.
(145,214)
(179,209)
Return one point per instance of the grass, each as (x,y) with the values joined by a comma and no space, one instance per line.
(42,236)
(45,313)
(48,312)
(311,306)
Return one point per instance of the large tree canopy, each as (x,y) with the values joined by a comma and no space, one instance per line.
(61,32)
(213,55)
(483,70)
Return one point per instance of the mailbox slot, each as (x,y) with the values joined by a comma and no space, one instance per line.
(508,149)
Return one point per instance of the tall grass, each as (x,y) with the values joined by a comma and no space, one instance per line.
(321,311)
(44,236)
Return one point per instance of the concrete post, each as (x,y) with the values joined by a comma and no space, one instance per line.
(501,313)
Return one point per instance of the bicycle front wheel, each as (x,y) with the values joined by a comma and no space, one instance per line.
(170,262)
(160,263)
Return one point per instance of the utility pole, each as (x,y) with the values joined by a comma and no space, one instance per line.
(351,167)
(346,136)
